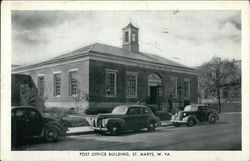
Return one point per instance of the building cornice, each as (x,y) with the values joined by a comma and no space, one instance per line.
(140,63)
(106,58)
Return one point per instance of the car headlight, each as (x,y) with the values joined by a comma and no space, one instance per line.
(104,122)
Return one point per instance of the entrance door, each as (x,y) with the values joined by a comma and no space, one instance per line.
(153,95)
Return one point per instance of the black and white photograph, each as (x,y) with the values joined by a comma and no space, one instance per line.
(126,82)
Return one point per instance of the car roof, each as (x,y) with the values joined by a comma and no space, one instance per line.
(23,107)
(199,105)
(133,105)
(136,105)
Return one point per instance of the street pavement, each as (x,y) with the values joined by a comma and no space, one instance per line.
(225,134)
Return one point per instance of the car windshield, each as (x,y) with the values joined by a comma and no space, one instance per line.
(190,108)
(120,110)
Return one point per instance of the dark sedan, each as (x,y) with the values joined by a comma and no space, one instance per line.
(27,122)
(124,117)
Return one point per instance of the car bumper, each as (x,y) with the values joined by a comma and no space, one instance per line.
(178,121)
(99,128)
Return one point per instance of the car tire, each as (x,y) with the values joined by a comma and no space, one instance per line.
(212,119)
(191,122)
(51,134)
(114,129)
(151,126)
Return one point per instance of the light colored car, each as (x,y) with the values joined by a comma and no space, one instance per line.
(193,114)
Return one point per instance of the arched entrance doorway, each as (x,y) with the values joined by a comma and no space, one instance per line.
(155,90)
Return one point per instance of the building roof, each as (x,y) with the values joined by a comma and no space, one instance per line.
(120,52)
(114,52)
(130,26)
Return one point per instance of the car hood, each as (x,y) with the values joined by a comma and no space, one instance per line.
(49,119)
(189,112)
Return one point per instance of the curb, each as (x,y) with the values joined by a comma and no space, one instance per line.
(168,124)
(80,133)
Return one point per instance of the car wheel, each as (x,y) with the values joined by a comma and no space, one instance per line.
(151,126)
(212,119)
(114,129)
(51,134)
(191,122)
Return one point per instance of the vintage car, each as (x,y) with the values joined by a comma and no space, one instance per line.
(193,114)
(27,122)
(124,117)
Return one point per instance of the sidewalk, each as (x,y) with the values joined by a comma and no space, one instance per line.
(87,129)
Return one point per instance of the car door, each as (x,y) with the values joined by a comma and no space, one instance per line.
(201,114)
(19,124)
(133,118)
(207,112)
(34,122)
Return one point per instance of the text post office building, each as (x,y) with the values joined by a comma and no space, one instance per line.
(102,76)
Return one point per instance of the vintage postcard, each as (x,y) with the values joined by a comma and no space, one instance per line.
(127,80)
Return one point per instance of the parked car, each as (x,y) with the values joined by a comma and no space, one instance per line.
(193,114)
(124,117)
(28,122)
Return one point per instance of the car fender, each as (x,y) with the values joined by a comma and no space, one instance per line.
(155,119)
(55,124)
(190,116)
(214,114)
(119,121)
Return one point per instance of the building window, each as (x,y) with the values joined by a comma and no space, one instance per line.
(40,85)
(73,83)
(131,85)
(126,36)
(173,86)
(110,83)
(133,37)
(186,88)
(57,84)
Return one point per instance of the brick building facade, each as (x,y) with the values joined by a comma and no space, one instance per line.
(102,76)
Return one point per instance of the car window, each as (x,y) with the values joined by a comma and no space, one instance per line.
(140,110)
(32,114)
(201,108)
(19,113)
(208,109)
(191,108)
(135,110)
(131,111)
(146,111)
(120,110)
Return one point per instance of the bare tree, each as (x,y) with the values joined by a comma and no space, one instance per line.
(218,78)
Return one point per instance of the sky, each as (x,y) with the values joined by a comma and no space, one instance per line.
(187,37)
